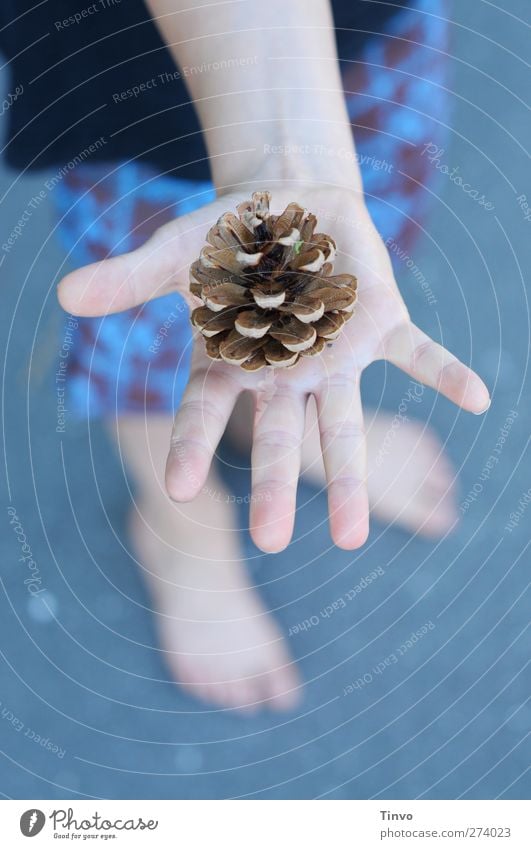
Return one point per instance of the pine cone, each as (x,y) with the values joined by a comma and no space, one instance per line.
(265,281)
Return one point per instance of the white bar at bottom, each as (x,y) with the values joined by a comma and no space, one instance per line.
(268,824)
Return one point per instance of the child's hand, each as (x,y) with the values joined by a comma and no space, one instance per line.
(380,328)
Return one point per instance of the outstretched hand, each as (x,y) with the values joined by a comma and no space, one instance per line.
(380,329)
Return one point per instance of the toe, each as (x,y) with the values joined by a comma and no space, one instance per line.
(283,688)
(219,695)
(248,696)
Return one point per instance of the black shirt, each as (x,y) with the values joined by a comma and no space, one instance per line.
(93,79)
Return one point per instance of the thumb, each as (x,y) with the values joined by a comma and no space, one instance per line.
(156,268)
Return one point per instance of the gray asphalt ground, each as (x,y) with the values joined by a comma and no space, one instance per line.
(86,709)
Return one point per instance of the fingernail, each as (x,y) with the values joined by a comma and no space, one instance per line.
(481,412)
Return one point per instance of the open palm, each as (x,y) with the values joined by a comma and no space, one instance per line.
(380,328)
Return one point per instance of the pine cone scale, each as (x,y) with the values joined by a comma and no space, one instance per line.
(253,323)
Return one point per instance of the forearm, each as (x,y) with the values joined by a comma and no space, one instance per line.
(265,81)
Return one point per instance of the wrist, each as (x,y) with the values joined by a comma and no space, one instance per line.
(306,155)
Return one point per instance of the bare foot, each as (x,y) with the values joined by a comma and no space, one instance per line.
(411,481)
(219,641)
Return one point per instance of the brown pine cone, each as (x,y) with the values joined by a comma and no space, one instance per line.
(266,285)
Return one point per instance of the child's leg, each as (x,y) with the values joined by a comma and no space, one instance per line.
(218,639)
